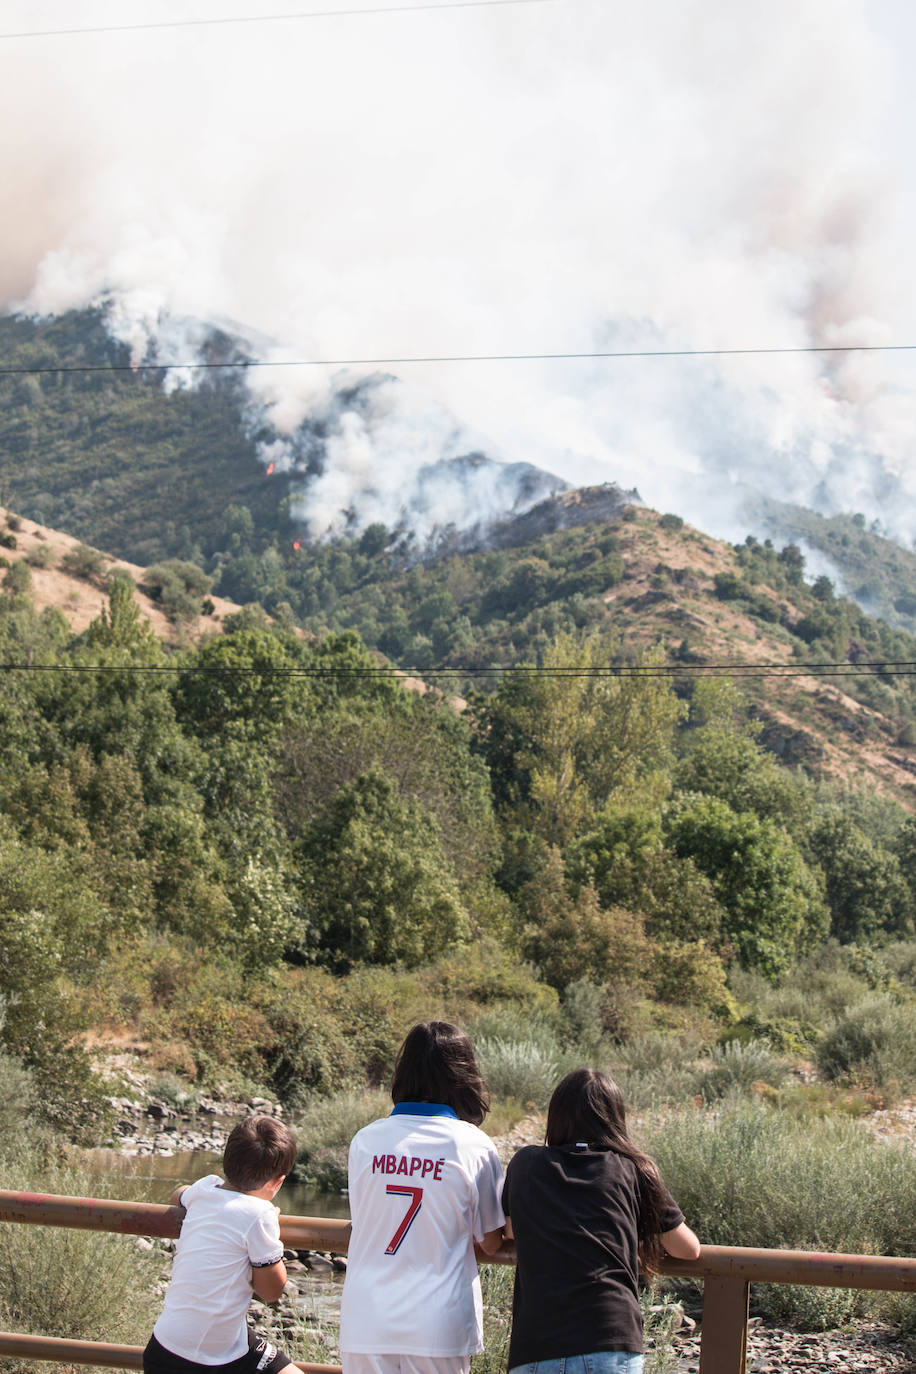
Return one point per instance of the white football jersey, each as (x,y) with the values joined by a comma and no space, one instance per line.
(423,1187)
(224,1234)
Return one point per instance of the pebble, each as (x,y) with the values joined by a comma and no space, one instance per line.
(861,1348)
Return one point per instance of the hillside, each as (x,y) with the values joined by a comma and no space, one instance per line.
(80,599)
(112,457)
(650,579)
(655,582)
(876,571)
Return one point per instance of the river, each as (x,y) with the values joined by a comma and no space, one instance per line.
(153,1178)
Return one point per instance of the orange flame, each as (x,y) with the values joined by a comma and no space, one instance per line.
(296,544)
(270,468)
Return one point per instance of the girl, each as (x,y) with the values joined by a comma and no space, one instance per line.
(424,1185)
(585,1209)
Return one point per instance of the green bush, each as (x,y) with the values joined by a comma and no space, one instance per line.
(42,556)
(84,1285)
(873,1045)
(178,586)
(752,1176)
(83,562)
(324,1132)
(17,1096)
(655,1069)
(734,1067)
(809,995)
(583,1018)
(519,1069)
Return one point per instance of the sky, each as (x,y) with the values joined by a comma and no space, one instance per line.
(571,176)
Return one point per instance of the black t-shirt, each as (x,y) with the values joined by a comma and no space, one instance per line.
(575,1214)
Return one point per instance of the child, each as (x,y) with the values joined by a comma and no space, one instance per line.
(229,1245)
(424,1185)
(585,1209)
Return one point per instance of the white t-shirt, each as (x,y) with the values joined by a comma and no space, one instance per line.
(223,1235)
(423,1187)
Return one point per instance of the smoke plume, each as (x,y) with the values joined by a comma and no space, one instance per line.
(578,176)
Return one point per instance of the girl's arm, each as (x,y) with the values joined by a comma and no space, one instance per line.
(681,1243)
(492,1241)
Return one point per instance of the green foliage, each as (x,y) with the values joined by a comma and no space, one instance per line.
(41,556)
(747,1175)
(624,859)
(79,1285)
(688,973)
(656,1068)
(120,623)
(564,746)
(178,586)
(518,1069)
(377,885)
(569,939)
(873,1045)
(324,1132)
(419,742)
(867,893)
(772,901)
(736,1067)
(720,757)
(84,562)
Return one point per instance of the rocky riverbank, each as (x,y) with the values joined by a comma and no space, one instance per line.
(860,1348)
(150,1126)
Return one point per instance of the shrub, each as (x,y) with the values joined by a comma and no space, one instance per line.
(671,523)
(873,1044)
(17,1093)
(751,1176)
(689,973)
(178,586)
(496,1282)
(42,556)
(169,1088)
(655,1069)
(86,1285)
(507,1022)
(83,562)
(485,973)
(736,1067)
(583,1015)
(324,1133)
(519,1069)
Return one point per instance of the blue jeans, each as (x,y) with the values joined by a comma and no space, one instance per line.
(602,1362)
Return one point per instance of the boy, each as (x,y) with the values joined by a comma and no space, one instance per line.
(229,1245)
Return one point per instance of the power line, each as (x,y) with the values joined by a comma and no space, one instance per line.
(270,18)
(844,669)
(243,364)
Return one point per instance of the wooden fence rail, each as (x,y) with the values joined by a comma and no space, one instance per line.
(726,1270)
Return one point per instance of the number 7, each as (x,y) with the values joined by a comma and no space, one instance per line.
(416,1198)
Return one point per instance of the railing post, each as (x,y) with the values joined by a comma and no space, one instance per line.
(723,1334)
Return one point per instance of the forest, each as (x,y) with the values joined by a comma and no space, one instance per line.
(234,851)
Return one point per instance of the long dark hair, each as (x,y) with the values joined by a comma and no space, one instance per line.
(587,1107)
(436,1064)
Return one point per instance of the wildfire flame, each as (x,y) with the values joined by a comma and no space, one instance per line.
(270,468)
(296,544)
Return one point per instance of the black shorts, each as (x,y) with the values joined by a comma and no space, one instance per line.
(260,1358)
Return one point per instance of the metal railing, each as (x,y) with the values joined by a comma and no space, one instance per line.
(727,1272)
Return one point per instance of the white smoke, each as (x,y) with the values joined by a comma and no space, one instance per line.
(568,177)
